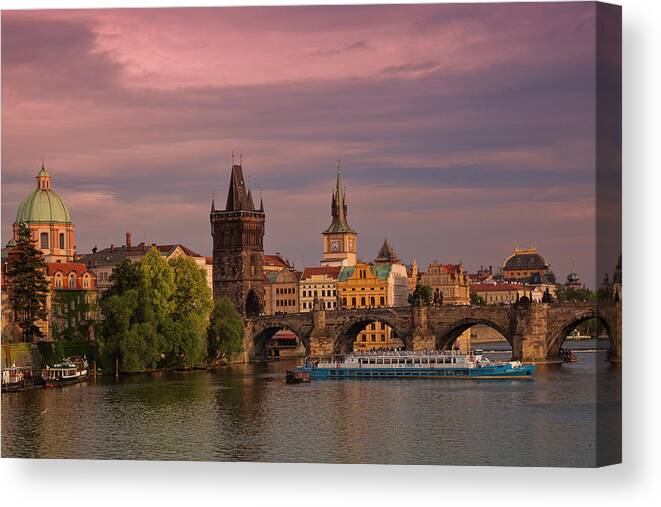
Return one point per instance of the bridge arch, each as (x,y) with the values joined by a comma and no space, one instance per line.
(447,335)
(263,335)
(564,328)
(348,333)
(253,305)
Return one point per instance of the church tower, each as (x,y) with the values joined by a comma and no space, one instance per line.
(339,239)
(238,250)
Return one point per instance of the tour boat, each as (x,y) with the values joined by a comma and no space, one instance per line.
(69,371)
(449,364)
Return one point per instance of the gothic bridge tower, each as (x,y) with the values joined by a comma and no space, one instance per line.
(238,251)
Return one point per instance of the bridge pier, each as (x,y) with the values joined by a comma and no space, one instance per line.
(421,338)
(531,333)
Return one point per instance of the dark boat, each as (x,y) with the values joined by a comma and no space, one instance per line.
(297,377)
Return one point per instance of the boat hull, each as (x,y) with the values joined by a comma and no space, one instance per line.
(65,382)
(524,372)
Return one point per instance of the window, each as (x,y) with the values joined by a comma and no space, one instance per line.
(372,301)
(383,301)
(86,282)
(44,240)
(373,325)
(383,338)
(72,280)
(62,240)
(353,301)
(362,301)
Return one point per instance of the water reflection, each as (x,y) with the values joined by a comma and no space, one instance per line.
(248,413)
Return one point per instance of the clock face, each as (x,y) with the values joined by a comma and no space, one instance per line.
(335,245)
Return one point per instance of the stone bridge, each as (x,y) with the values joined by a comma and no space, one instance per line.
(535,331)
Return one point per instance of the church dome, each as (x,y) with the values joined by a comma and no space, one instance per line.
(43,205)
(525,259)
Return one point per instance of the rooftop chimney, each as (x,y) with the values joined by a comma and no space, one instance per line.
(112,248)
(128,241)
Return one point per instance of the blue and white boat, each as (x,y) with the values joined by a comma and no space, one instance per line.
(449,364)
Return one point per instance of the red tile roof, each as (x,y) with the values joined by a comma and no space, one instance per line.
(330,271)
(275,260)
(168,248)
(66,267)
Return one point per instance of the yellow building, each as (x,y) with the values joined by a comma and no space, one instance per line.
(366,286)
(450,280)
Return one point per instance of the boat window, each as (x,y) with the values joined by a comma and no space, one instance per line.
(379,361)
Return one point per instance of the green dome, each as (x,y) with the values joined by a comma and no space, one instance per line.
(43,205)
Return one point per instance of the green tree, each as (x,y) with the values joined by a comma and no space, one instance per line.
(476,299)
(568,295)
(187,332)
(225,331)
(158,282)
(422,295)
(126,275)
(26,273)
(191,293)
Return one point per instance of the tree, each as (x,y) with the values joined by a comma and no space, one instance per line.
(476,299)
(26,273)
(158,282)
(422,295)
(126,275)
(191,294)
(568,295)
(225,331)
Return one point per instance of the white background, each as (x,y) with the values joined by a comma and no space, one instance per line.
(636,482)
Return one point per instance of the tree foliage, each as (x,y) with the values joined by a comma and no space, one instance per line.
(565,294)
(422,295)
(156,314)
(26,273)
(476,299)
(226,330)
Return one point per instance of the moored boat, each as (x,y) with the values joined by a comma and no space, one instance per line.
(70,371)
(297,376)
(17,378)
(419,364)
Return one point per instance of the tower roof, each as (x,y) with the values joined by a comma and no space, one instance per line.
(237,198)
(43,205)
(339,223)
(386,253)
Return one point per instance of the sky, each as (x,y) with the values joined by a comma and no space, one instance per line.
(463,129)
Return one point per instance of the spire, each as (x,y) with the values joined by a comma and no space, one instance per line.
(339,207)
(386,253)
(213,202)
(261,202)
(249,201)
(237,199)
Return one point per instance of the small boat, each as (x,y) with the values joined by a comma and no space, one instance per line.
(71,370)
(297,376)
(17,378)
(450,364)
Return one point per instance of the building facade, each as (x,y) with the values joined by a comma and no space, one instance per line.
(449,281)
(238,247)
(319,285)
(281,290)
(368,286)
(398,275)
(72,301)
(506,293)
(339,239)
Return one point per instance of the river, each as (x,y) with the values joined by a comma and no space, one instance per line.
(248,413)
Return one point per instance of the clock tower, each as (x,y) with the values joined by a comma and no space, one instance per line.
(339,239)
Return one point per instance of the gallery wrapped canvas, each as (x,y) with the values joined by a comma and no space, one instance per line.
(384,234)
